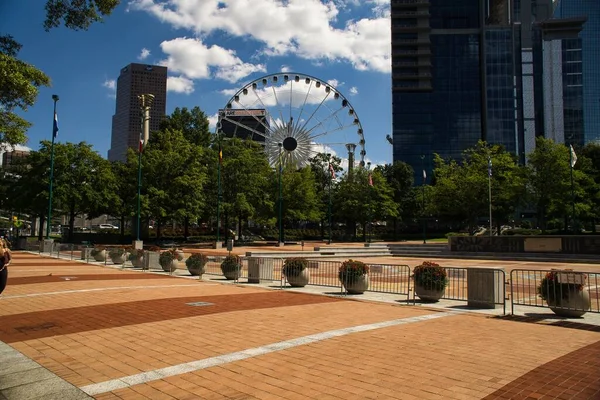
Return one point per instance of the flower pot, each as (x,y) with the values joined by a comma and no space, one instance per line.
(119,259)
(574,303)
(429,295)
(170,267)
(137,262)
(356,284)
(196,271)
(233,274)
(299,280)
(100,256)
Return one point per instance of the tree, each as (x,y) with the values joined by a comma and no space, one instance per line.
(174,177)
(192,123)
(359,202)
(589,163)
(77,15)
(125,188)
(319,166)
(548,173)
(19,83)
(400,178)
(300,200)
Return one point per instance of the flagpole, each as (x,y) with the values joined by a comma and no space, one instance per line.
(280,197)
(145,104)
(219,194)
(329,207)
(54,132)
(572,164)
(423,199)
(490,191)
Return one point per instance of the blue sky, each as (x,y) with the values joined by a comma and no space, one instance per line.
(211,48)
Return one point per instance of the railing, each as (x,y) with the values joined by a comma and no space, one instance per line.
(388,278)
(564,291)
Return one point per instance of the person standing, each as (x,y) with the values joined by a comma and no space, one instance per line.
(5,258)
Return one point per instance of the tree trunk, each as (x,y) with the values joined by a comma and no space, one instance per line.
(41,230)
(158,226)
(122,225)
(71,223)
(240,224)
(186,227)
(364,235)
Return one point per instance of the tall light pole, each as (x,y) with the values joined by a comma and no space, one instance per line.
(280,196)
(54,133)
(369,224)
(331,173)
(145,105)
(423,198)
(490,192)
(218,244)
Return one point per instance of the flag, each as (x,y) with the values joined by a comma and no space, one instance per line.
(55,126)
(332,171)
(573,156)
(424,176)
(370,180)
(490,167)
(220,156)
(141,148)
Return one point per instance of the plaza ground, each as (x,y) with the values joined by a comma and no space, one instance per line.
(72,330)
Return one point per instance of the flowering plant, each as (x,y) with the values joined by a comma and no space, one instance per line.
(294,266)
(430,276)
(166,257)
(350,270)
(231,263)
(196,261)
(553,291)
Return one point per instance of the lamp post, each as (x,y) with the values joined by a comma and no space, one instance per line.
(571,165)
(369,224)
(145,105)
(490,192)
(54,132)
(330,183)
(218,244)
(423,199)
(280,196)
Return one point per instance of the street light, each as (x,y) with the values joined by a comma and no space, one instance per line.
(145,105)
(280,196)
(423,199)
(54,133)
(330,183)
(369,224)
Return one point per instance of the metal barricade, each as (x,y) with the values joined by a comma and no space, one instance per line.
(390,278)
(576,292)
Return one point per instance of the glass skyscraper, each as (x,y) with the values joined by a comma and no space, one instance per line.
(457,76)
(590,60)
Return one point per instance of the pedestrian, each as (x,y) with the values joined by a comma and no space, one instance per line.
(5,259)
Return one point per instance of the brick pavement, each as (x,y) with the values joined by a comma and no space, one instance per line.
(110,326)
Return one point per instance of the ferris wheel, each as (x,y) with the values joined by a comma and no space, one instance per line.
(295,116)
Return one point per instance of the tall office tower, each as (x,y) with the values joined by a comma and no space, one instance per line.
(136,79)
(457,69)
(558,79)
(590,57)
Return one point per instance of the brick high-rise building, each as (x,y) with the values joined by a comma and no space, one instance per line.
(136,79)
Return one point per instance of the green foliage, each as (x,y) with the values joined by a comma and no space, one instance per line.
(431,276)
(294,266)
(300,201)
(19,83)
(166,257)
(136,254)
(196,261)
(231,263)
(554,292)
(77,15)
(351,270)
(116,251)
(192,123)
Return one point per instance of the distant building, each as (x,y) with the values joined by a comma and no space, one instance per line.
(244,124)
(136,79)
(590,59)
(9,154)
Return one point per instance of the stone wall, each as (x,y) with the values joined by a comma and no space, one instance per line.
(582,244)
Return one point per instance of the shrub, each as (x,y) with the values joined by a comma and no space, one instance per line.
(196,261)
(430,276)
(166,257)
(294,266)
(117,251)
(351,270)
(231,263)
(554,292)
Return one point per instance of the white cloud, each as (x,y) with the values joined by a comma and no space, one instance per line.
(285,68)
(144,54)
(110,84)
(307,28)
(193,59)
(180,84)
(353,91)
(334,82)
(212,121)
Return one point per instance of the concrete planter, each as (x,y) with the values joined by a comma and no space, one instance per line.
(356,285)
(196,271)
(120,260)
(299,280)
(100,256)
(232,274)
(170,267)
(428,295)
(138,262)
(574,304)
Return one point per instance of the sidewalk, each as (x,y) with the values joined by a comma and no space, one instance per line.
(86,331)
